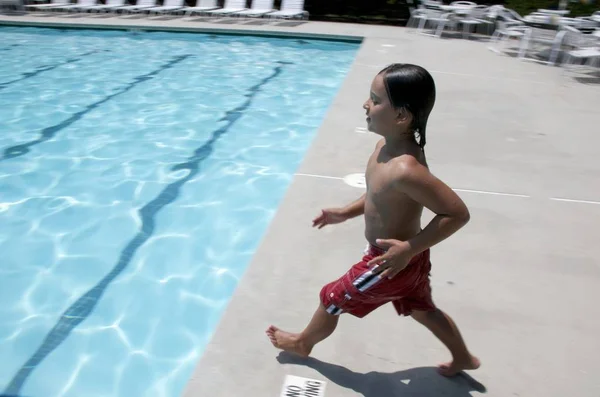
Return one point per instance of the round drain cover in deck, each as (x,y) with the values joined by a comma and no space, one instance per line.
(356,180)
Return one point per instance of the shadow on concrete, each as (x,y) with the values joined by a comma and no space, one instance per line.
(414,382)
(291,24)
(595,80)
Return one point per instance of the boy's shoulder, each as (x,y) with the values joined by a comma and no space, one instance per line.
(407,168)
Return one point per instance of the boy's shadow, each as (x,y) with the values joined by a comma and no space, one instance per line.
(414,382)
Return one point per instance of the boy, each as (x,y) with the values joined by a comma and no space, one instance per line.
(396,264)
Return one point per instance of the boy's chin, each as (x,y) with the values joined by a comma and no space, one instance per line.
(371,129)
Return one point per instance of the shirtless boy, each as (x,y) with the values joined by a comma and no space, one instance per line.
(396,265)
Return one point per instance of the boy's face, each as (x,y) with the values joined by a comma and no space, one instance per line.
(381,115)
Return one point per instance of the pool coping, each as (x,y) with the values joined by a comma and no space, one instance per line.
(238,31)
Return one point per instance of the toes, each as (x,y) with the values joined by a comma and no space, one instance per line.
(446,371)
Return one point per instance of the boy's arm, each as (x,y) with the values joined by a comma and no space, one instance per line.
(451,212)
(355,208)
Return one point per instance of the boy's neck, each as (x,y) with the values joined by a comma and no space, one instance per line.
(400,142)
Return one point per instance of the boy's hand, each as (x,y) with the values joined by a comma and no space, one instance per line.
(329,216)
(396,258)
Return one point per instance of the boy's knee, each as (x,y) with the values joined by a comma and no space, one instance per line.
(423,315)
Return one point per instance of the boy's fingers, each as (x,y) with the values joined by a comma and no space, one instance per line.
(384,273)
(385,243)
(374,261)
(381,264)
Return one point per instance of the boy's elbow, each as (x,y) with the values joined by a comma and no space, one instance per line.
(464,216)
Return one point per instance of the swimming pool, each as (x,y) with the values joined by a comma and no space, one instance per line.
(138,173)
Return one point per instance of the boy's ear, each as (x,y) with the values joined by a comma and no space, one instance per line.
(403,115)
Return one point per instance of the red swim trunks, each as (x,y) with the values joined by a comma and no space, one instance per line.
(359,292)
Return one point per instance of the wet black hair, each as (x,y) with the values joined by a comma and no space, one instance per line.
(412,88)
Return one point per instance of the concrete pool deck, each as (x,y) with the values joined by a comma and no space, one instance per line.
(519,142)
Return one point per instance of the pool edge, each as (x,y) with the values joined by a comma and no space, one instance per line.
(185,29)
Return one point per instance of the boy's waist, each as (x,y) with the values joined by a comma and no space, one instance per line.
(375,250)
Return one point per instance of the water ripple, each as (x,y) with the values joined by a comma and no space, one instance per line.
(46,68)
(85,305)
(49,132)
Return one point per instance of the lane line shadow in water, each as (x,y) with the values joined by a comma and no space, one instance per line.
(8,48)
(84,306)
(49,132)
(41,69)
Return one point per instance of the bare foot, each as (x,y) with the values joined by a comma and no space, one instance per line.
(454,367)
(287,341)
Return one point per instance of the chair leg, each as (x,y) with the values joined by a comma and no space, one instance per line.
(556,45)
(440,28)
(524,45)
(422,23)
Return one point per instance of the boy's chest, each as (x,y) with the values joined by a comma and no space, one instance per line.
(379,178)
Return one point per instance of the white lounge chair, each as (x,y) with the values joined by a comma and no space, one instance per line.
(258,9)
(169,6)
(74,7)
(230,7)
(508,26)
(52,4)
(202,6)
(478,15)
(110,4)
(140,6)
(436,17)
(290,9)
(581,47)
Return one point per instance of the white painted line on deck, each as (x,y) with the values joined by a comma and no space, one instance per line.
(491,193)
(296,386)
(357,180)
(320,176)
(574,201)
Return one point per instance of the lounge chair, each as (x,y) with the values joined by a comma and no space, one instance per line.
(140,6)
(231,7)
(74,7)
(202,6)
(581,47)
(47,6)
(110,4)
(509,25)
(258,9)
(290,9)
(17,5)
(169,6)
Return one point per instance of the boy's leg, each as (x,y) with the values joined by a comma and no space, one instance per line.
(320,327)
(442,326)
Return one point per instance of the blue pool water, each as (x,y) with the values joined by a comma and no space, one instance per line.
(138,173)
